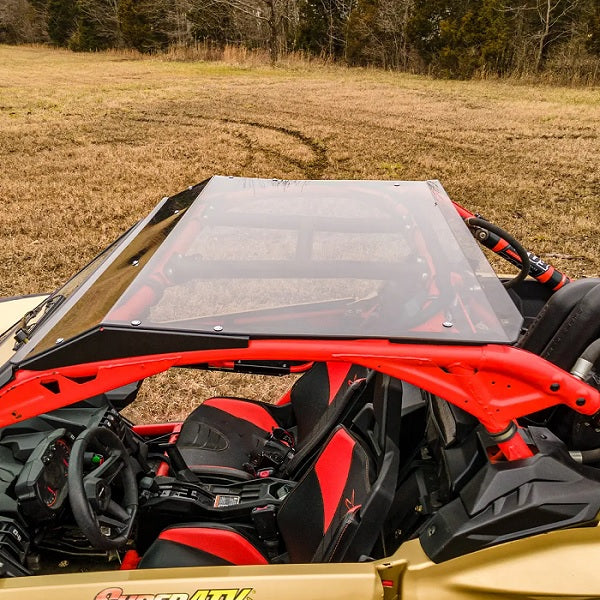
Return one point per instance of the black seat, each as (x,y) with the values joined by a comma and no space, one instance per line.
(232,437)
(567,324)
(335,513)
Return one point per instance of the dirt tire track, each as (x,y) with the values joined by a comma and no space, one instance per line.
(312,169)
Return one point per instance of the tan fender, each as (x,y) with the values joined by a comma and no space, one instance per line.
(13,309)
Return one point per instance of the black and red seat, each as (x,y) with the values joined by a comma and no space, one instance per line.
(226,437)
(335,513)
(567,324)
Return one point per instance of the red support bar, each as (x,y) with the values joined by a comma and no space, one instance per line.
(515,448)
(496,384)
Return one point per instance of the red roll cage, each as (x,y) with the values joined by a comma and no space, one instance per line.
(496,384)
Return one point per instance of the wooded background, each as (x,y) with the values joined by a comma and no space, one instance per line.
(555,39)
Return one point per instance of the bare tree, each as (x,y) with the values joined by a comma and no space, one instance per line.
(551,13)
(393,18)
(21,22)
(177,19)
(103,16)
(540,24)
(274,17)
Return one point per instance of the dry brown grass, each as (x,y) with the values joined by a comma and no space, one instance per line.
(90,142)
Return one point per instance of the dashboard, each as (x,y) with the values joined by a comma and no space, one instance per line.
(35,516)
(41,488)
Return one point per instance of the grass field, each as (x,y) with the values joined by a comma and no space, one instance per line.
(90,142)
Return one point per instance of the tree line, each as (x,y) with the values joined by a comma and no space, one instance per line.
(448,38)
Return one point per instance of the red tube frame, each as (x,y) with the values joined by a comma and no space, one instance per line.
(496,384)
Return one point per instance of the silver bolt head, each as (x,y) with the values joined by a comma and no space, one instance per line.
(448,324)
(135,263)
(136,322)
(59,340)
(218,327)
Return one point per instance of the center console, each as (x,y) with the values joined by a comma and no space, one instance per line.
(165,501)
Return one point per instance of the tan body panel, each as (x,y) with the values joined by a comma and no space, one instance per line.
(557,565)
(12,309)
(270,582)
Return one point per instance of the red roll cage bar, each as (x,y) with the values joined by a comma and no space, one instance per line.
(496,384)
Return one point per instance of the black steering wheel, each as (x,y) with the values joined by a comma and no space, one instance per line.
(100,470)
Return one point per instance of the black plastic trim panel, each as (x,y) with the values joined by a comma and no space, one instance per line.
(513,500)
(113,342)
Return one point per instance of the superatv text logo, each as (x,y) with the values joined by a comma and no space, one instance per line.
(231,594)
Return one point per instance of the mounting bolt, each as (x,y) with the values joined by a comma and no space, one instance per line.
(431,530)
(396,184)
(448,324)
(580,401)
(135,262)
(218,327)
(555,387)
(136,322)
(59,340)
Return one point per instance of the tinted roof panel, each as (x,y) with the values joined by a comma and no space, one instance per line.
(264,258)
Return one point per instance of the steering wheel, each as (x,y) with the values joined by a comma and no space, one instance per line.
(105,521)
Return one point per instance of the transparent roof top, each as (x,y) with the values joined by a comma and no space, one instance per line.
(259,257)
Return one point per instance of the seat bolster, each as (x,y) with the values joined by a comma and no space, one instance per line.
(577,332)
(554,313)
(204,544)
(256,414)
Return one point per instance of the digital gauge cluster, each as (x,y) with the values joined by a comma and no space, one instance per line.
(42,485)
